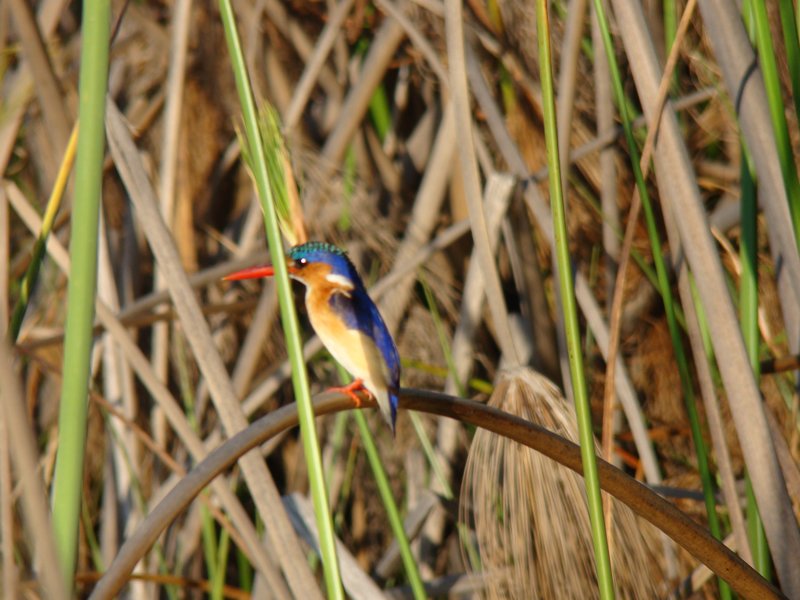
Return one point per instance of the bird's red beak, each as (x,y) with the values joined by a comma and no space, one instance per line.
(251,273)
(260,271)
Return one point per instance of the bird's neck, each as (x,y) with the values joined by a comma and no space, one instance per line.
(318,296)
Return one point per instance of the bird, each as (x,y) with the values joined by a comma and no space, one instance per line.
(346,320)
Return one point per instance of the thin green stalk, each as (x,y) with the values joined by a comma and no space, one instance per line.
(209,541)
(207,530)
(444,344)
(49,218)
(748,307)
(138,496)
(430,454)
(380,112)
(582,409)
(797,24)
(349,475)
(792,45)
(670,307)
(475,384)
(687,387)
(244,570)
(316,476)
(163,568)
(637,256)
(594,265)
(95,552)
(670,12)
(708,347)
(336,443)
(348,187)
(82,285)
(395,521)
(218,583)
(756,534)
(769,70)
(758,30)
(467,541)
(671,15)
(506,83)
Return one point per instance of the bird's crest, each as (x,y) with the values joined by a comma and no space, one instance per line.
(315,251)
(341,272)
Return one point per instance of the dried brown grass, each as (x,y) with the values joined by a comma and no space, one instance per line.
(530,516)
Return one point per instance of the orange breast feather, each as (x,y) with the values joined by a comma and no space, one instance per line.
(354,350)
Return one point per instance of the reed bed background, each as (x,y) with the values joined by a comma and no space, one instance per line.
(432,141)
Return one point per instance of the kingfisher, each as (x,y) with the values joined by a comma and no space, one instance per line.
(346,320)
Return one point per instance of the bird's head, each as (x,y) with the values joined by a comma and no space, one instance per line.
(312,263)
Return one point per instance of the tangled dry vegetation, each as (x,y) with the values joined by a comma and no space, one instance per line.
(378,157)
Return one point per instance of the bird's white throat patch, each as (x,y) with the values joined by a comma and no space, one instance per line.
(339,280)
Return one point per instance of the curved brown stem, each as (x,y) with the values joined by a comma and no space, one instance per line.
(647,504)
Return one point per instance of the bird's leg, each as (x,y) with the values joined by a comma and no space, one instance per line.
(350,390)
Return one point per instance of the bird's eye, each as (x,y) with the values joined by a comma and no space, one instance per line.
(303,262)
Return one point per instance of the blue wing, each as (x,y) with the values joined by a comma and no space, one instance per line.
(358,311)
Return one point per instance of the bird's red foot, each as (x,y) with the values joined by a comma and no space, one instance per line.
(351,389)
